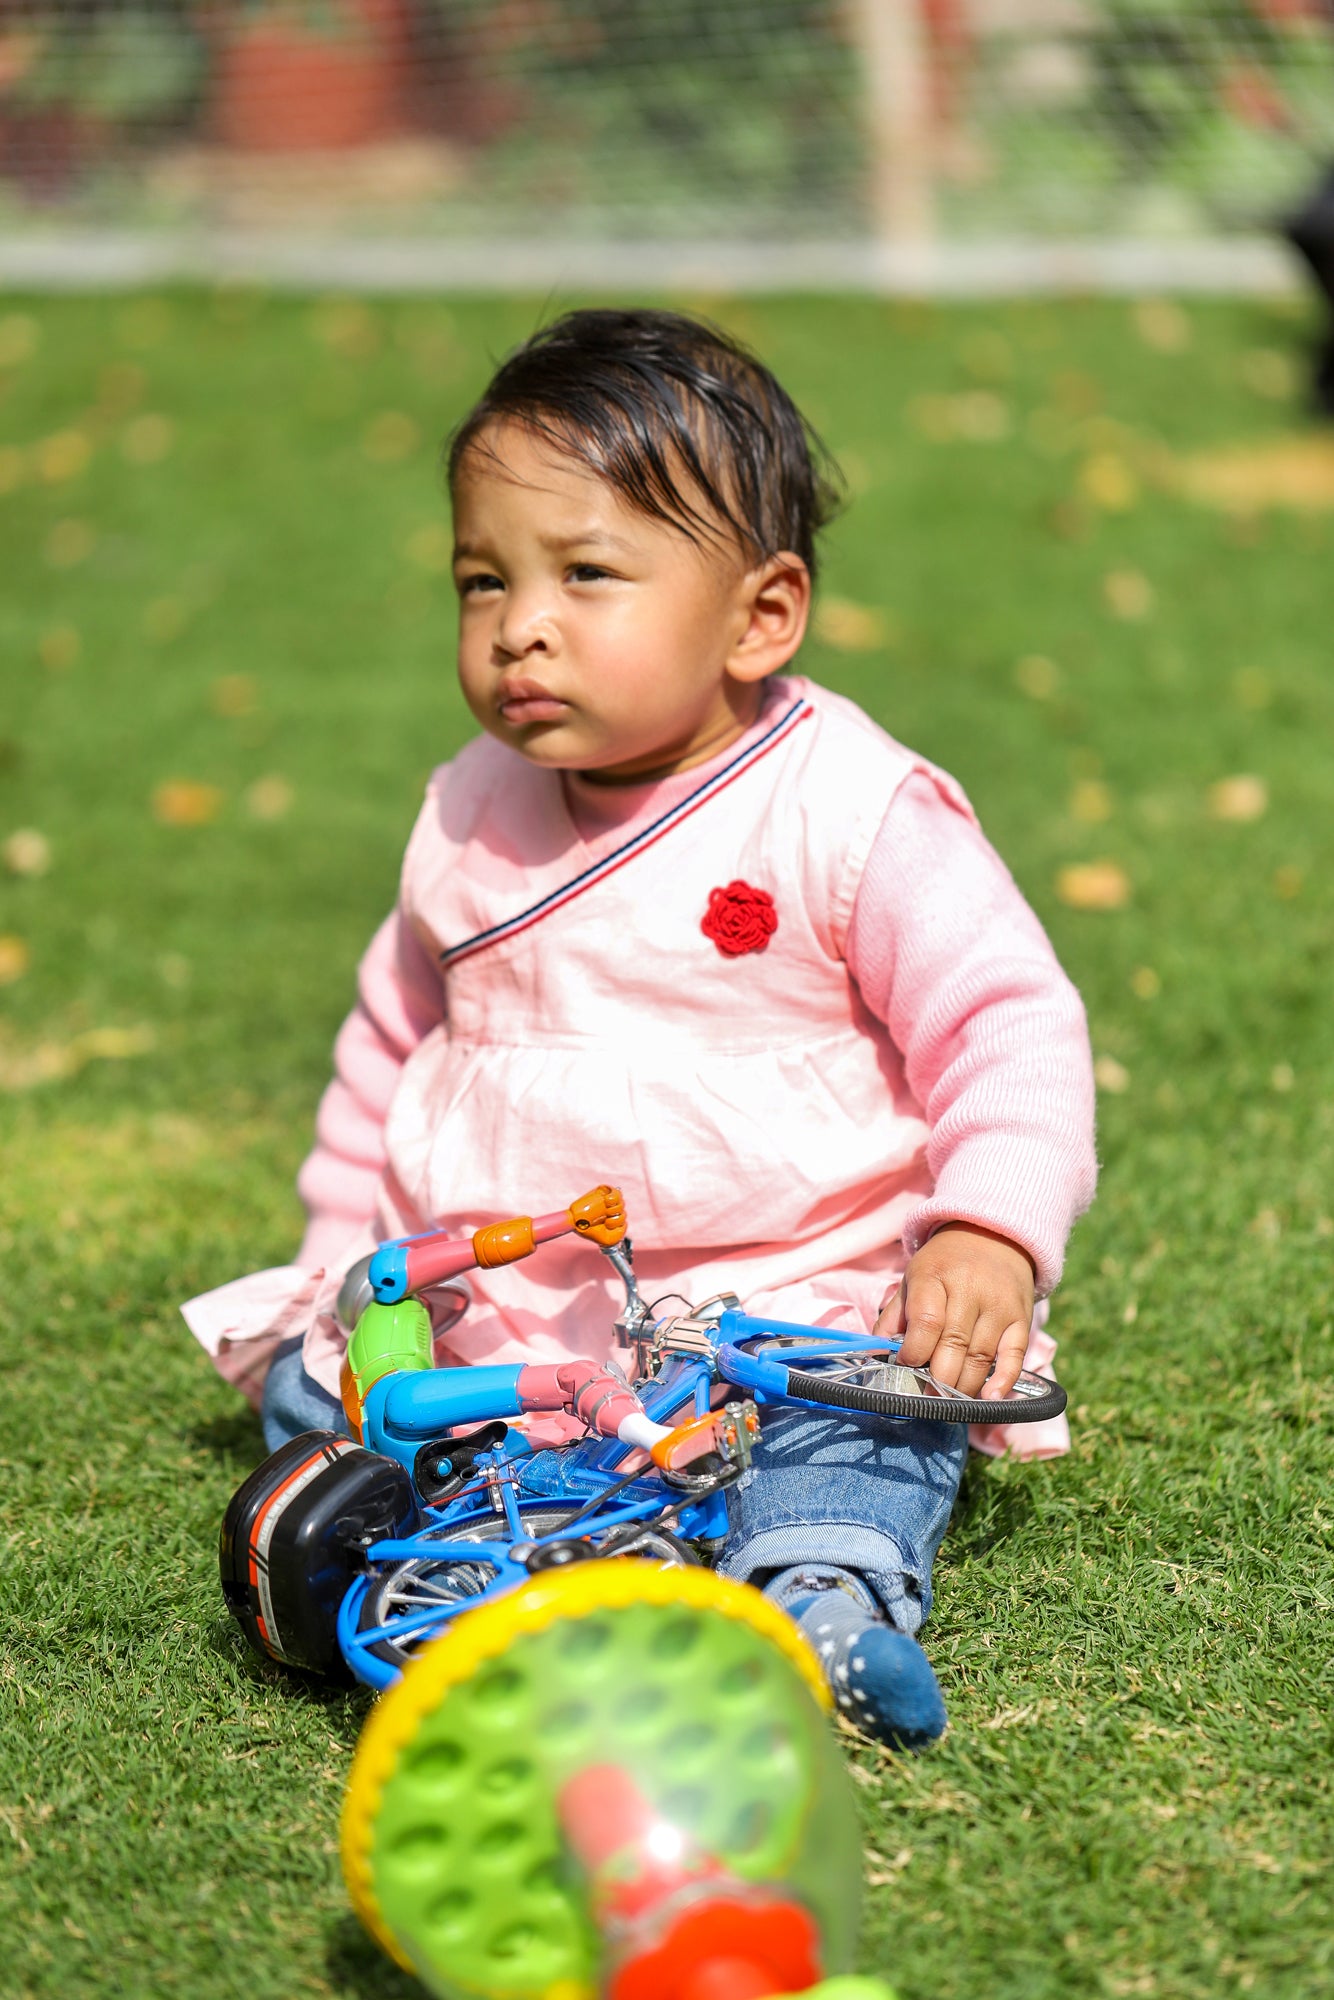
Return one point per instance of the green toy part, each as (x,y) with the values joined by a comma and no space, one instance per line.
(389,1338)
(851,1989)
(467,1861)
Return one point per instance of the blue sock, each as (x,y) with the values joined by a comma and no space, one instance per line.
(879,1677)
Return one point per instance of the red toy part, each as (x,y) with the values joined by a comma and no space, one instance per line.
(724,1948)
(678,1925)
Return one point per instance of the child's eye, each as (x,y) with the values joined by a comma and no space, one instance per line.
(473,586)
(587,573)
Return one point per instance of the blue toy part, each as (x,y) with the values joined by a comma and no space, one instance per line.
(767,1377)
(387,1272)
(403,1411)
(737,1325)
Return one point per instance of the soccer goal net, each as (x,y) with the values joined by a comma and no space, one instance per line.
(665,121)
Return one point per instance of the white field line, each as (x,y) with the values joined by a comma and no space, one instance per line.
(112,261)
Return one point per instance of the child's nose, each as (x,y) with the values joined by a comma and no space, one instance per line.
(526,625)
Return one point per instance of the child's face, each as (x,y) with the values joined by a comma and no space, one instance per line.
(594,638)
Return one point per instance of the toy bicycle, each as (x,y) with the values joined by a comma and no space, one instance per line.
(341,1555)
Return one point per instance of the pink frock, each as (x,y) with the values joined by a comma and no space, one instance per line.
(548,1008)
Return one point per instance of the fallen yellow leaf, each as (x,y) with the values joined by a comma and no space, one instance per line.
(1162,325)
(146,440)
(27,852)
(849,627)
(389,437)
(1110,1075)
(1094,885)
(1270,372)
(63,455)
(979,417)
(1252,688)
(69,543)
(1145,983)
(59,647)
(1108,481)
(120,385)
(1242,798)
(145,323)
(1091,801)
(432,548)
(347,326)
(234,695)
(15,958)
(1296,473)
(183,802)
(1128,594)
(1037,677)
(269,797)
(20,337)
(49,1061)
(988,356)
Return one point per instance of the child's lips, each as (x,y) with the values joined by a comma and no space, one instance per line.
(528,701)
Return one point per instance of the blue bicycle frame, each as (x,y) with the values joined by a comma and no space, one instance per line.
(509,1477)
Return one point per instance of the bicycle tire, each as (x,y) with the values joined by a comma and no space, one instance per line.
(1033,1407)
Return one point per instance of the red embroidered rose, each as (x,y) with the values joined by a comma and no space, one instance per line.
(740,919)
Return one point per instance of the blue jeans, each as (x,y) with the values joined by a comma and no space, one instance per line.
(294,1401)
(828,1487)
(825,1487)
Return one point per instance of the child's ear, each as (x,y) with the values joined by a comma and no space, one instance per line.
(774,599)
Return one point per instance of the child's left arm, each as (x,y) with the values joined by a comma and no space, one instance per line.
(951,958)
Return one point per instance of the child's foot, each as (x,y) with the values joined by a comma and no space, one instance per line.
(879,1677)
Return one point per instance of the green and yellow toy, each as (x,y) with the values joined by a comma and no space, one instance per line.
(615,1783)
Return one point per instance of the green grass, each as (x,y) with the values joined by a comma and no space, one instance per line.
(1135,1642)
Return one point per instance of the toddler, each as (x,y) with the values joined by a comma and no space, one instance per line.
(684,921)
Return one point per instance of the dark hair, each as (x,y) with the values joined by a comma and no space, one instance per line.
(681,418)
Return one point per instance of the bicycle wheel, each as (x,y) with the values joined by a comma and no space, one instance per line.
(400,1593)
(852,1379)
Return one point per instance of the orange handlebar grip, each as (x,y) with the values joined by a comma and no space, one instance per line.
(600,1215)
(691,1440)
(503,1242)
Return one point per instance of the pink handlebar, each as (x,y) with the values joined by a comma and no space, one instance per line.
(589,1391)
(434,1258)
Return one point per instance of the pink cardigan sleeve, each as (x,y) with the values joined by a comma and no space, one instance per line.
(400,999)
(951,958)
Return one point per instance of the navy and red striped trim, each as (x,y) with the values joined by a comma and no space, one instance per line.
(799,712)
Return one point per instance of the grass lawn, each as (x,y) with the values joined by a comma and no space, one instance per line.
(226,632)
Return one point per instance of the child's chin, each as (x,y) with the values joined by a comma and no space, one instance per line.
(555,744)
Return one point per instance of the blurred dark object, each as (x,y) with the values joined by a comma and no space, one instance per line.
(1311,230)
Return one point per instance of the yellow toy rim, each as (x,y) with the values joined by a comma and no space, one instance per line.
(489,1631)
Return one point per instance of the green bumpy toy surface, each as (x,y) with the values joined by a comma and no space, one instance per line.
(467,1860)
